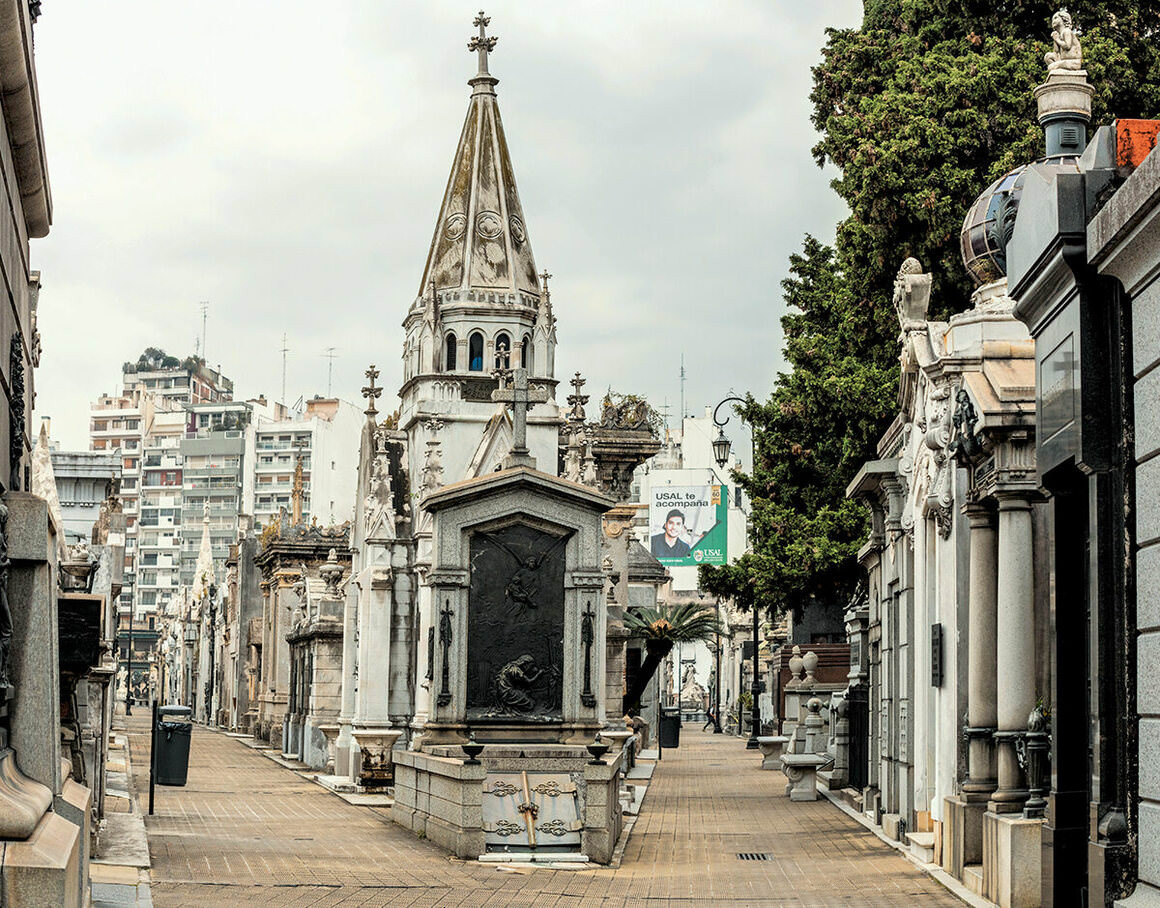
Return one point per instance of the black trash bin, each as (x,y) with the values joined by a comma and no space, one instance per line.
(171,743)
(670,728)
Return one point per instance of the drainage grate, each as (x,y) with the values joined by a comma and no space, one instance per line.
(754,856)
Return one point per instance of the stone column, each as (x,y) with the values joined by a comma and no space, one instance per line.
(342,763)
(1016,646)
(981,655)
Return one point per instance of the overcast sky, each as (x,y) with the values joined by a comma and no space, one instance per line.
(286,160)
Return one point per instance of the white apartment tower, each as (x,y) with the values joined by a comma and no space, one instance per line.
(146,424)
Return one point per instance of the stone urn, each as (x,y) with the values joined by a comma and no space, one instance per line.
(810,664)
(331,573)
(795,667)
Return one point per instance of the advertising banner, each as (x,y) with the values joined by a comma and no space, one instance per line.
(687,525)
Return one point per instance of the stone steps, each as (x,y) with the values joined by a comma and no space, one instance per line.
(973,878)
(922,846)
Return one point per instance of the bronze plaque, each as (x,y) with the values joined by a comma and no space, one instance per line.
(515,625)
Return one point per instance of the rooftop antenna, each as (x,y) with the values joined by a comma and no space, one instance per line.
(204,318)
(682,423)
(329,354)
(285,350)
(665,408)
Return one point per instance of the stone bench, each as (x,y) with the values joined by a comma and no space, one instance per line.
(771,747)
(801,773)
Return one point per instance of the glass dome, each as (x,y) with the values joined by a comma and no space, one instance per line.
(983,254)
(982,241)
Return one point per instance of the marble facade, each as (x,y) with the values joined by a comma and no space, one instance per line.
(956,557)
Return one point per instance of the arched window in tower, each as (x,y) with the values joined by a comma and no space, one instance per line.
(475,352)
(503,350)
(526,353)
(452,350)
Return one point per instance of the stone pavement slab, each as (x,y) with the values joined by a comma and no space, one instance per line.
(246,831)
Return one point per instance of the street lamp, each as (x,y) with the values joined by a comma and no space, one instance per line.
(129,667)
(716,668)
(721,448)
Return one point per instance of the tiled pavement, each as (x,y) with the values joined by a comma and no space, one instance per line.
(246,831)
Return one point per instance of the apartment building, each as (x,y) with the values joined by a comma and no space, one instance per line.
(213,455)
(326,438)
(145,424)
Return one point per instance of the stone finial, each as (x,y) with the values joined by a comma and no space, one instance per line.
(814,725)
(371,392)
(911,294)
(1066,54)
(576,400)
(331,573)
(810,664)
(482,44)
(795,668)
(520,397)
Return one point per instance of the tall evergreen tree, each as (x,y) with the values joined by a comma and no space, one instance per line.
(919,108)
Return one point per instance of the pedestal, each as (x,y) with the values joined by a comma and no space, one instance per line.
(1011,862)
(440,796)
(962,835)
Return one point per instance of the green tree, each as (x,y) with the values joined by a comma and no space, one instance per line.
(919,109)
(660,629)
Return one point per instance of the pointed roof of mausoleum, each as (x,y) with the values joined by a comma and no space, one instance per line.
(481,240)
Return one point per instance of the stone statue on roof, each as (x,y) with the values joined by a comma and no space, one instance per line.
(1067,53)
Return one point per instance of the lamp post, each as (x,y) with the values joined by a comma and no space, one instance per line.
(716,669)
(209,718)
(129,667)
(717,675)
(721,448)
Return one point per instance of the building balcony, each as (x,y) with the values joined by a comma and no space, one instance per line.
(203,472)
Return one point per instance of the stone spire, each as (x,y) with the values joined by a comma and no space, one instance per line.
(203,576)
(297,492)
(481,241)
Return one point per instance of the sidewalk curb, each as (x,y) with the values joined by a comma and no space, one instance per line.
(948,882)
(110,874)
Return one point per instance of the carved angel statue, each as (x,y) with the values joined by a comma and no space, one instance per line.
(1067,53)
(523,587)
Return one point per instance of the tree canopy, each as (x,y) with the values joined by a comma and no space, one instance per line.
(920,108)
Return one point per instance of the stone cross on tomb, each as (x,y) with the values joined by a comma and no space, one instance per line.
(370,392)
(482,44)
(519,396)
(577,400)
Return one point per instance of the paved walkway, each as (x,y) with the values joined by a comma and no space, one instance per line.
(246,831)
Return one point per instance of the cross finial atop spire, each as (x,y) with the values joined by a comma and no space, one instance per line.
(370,392)
(482,44)
(544,276)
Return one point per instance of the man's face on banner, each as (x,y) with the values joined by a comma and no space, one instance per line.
(674,526)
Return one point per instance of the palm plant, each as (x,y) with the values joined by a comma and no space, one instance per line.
(661,628)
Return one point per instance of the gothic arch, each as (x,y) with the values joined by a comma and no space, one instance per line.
(451,352)
(475,352)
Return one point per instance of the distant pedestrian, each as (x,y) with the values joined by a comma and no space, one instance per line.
(710,719)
